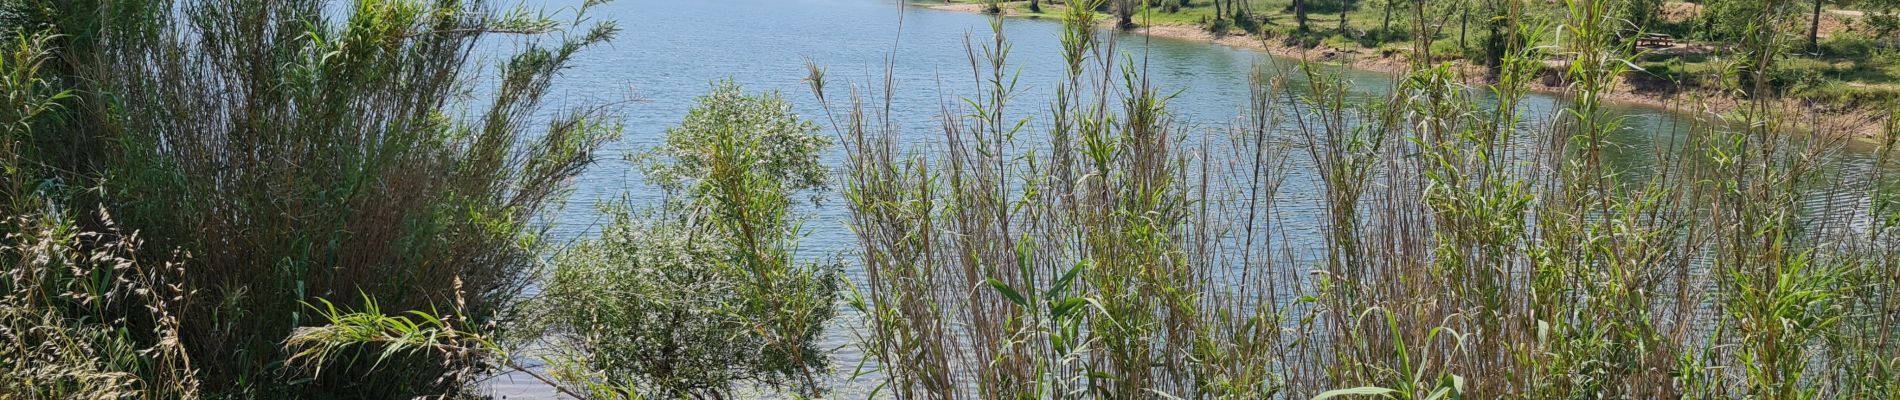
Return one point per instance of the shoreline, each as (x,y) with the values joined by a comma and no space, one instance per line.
(1857,123)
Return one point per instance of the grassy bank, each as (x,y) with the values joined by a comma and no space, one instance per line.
(1844,72)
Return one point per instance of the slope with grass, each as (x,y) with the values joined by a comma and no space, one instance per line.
(1846,73)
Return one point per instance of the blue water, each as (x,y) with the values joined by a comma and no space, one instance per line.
(670,51)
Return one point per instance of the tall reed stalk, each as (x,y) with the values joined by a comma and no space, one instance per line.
(1468,244)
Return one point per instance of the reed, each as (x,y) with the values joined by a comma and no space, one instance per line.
(1469,245)
(295,151)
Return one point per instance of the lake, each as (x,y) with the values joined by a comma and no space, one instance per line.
(671,51)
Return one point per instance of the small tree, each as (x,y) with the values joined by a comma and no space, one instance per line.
(1125,13)
(1502,33)
(1385,26)
(685,300)
(1299,14)
(705,292)
(1643,14)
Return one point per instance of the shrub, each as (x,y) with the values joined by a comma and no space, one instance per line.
(1338,41)
(58,283)
(1725,20)
(704,293)
(763,128)
(1219,26)
(1848,44)
(1448,50)
(646,306)
(1246,22)
(1838,93)
(1883,24)
(1796,73)
(319,160)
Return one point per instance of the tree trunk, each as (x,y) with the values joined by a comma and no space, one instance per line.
(1299,14)
(1345,7)
(1421,34)
(1125,9)
(1464,21)
(1385,29)
(1814,30)
(1035,6)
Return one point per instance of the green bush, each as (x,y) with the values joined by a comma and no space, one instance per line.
(1883,24)
(1797,73)
(1338,41)
(60,282)
(1848,44)
(647,306)
(705,292)
(328,164)
(1449,49)
(1217,26)
(1730,20)
(1246,22)
(1675,71)
(1389,50)
(1838,93)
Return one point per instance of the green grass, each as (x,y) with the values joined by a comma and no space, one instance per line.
(1850,71)
(1274,17)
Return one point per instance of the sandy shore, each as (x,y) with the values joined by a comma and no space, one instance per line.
(1836,120)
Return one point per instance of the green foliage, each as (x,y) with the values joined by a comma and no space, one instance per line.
(697,297)
(786,148)
(446,338)
(1848,45)
(706,293)
(1883,24)
(1644,15)
(1797,73)
(655,306)
(82,313)
(326,165)
(1736,20)
(1449,50)
(1450,238)
(415,332)
(648,307)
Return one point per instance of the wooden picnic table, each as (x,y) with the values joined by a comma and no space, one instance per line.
(1655,40)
